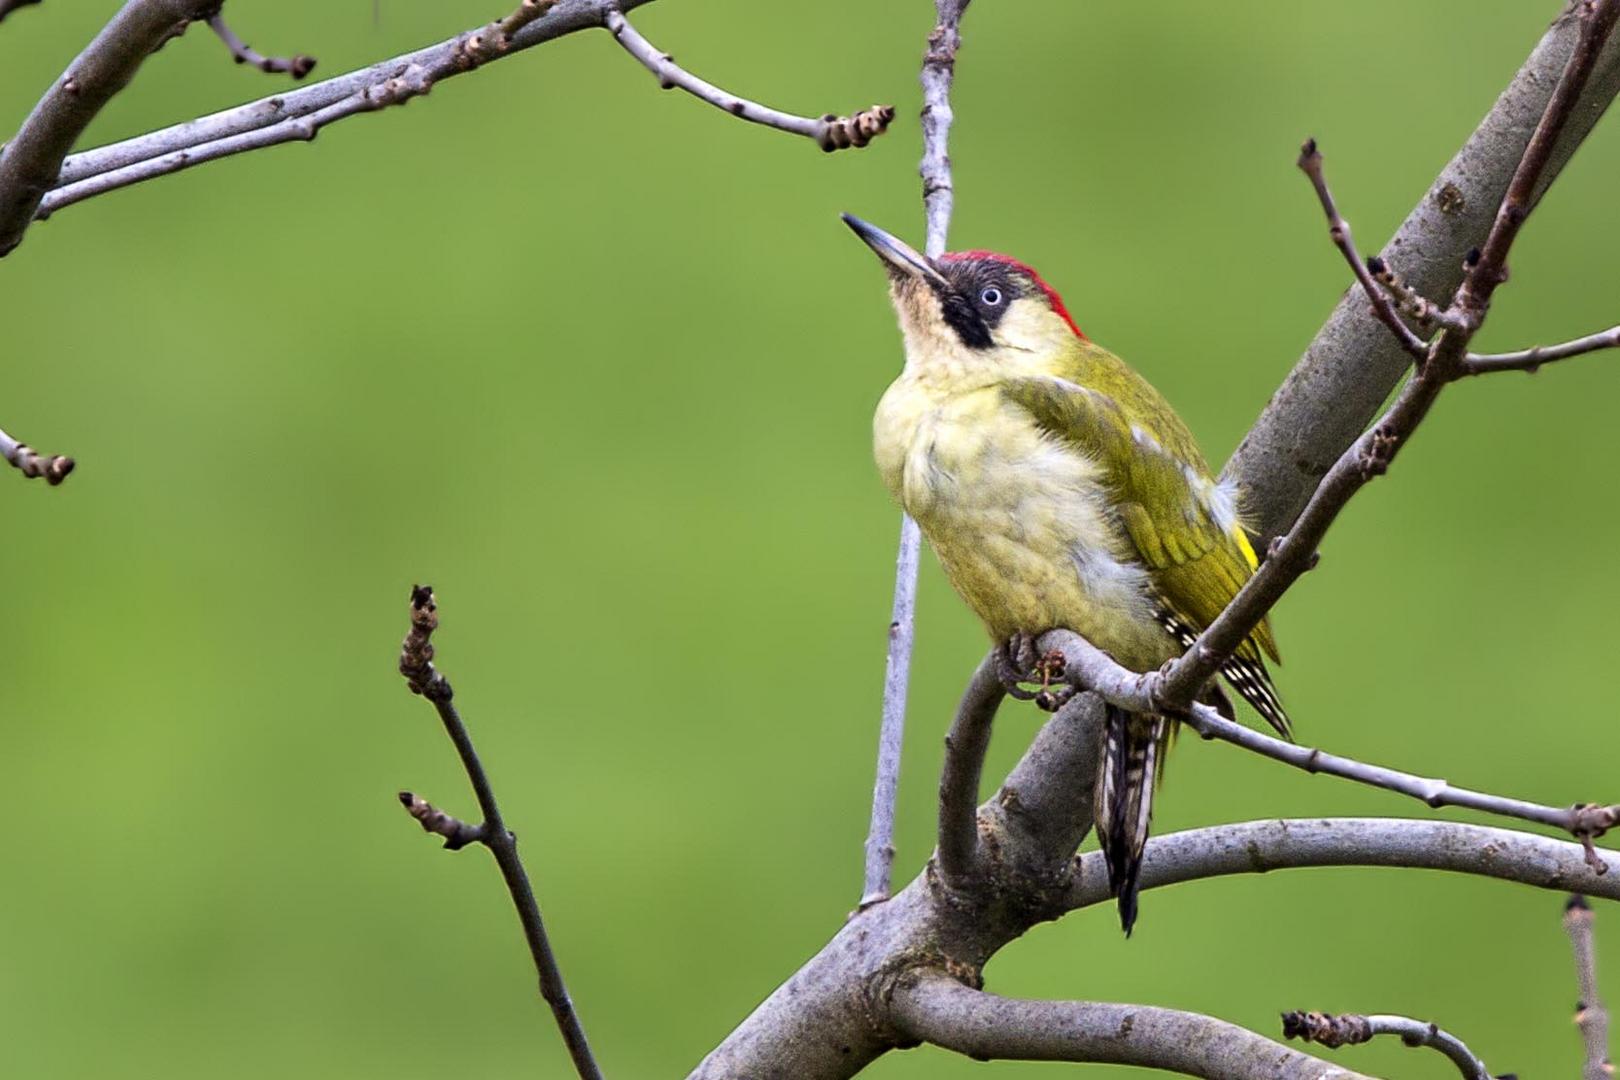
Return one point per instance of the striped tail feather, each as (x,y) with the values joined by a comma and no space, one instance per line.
(1248,677)
(1124,800)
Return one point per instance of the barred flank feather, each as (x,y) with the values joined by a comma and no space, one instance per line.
(1124,800)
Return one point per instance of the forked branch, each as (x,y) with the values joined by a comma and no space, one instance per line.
(416,664)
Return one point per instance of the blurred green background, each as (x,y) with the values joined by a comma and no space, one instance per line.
(599,363)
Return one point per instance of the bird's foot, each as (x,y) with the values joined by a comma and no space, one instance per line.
(1053,694)
(1016,663)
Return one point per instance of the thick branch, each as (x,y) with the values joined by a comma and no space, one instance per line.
(31,463)
(938,1010)
(30,162)
(829,132)
(1353,363)
(1350,1029)
(938,70)
(1591,1016)
(416,664)
(1258,847)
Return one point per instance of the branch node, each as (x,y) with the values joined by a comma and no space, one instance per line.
(457,833)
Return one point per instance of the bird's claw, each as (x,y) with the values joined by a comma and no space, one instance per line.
(1015,663)
(1018,663)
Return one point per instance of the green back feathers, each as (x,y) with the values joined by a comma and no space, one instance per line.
(1166,499)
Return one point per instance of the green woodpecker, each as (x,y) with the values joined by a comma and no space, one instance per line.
(1059,489)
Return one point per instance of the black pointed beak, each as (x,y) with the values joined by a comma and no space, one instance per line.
(900,257)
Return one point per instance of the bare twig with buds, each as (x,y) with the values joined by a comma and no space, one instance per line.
(297,66)
(37,177)
(31,463)
(1310,162)
(416,664)
(1531,359)
(938,71)
(829,132)
(1350,1029)
(1590,1014)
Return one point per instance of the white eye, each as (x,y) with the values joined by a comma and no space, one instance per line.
(991,296)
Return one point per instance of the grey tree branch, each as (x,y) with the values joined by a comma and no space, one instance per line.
(1350,367)
(965,748)
(31,463)
(297,66)
(938,72)
(1258,847)
(416,664)
(29,162)
(1591,1016)
(938,1010)
(1351,1029)
(42,180)
(1531,359)
(829,132)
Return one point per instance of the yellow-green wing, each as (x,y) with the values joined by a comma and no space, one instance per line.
(1181,523)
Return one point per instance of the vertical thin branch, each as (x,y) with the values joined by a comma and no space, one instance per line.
(416,664)
(938,69)
(1590,1015)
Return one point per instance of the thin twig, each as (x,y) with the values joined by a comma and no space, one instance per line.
(1350,1029)
(416,664)
(935,1009)
(31,463)
(1591,1016)
(1490,269)
(457,833)
(8,6)
(1531,359)
(965,748)
(1090,667)
(297,66)
(938,70)
(1408,301)
(1310,161)
(829,132)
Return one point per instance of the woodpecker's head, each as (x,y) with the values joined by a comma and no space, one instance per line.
(969,310)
